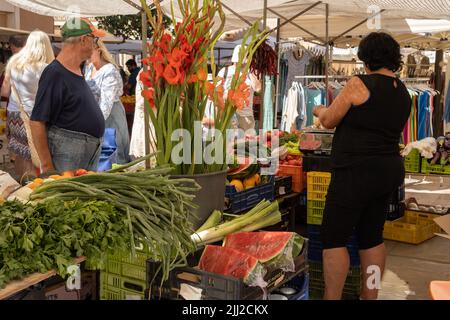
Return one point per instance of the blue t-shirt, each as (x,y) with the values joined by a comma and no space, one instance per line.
(65,100)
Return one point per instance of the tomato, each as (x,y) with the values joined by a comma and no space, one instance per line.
(80,172)
(292,162)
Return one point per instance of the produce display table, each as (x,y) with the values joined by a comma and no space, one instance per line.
(16,287)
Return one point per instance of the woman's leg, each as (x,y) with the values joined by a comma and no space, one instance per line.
(372,251)
(373,262)
(336,263)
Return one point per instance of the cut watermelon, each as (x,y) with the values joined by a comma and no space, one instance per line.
(276,250)
(246,167)
(230,262)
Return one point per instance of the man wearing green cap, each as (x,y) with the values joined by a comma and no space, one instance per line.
(67,124)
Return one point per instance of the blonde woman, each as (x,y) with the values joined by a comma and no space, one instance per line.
(22,76)
(105,81)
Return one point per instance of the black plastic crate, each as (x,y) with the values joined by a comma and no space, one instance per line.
(215,286)
(316,247)
(299,283)
(283,186)
(319,163)
(236,202)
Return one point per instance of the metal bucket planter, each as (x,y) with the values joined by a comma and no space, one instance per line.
(210,197)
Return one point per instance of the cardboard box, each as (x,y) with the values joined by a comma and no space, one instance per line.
(88,289)
(444,223)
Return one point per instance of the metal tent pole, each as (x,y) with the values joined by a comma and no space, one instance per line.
(327,53)
(263,76)
(146,106)
(277,85)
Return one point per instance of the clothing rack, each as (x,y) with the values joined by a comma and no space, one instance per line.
(323,77)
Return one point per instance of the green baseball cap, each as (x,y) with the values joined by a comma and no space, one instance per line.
(77,27)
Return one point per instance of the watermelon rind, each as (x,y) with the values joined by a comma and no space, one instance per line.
(283,258)
(231,262)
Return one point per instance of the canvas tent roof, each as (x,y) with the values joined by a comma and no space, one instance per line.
(343,13)
(420,9)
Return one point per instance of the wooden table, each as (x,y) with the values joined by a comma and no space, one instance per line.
(33,279)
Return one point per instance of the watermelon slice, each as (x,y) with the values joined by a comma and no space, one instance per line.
(230,262)
(276,250)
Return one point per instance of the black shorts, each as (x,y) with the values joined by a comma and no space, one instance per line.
(357,202)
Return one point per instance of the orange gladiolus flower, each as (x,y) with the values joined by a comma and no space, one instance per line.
(149,95)
(165,42)
(158,64)
(202,75)
(172,75)
(193,79)
(145,77)
(240,97)
(176,58)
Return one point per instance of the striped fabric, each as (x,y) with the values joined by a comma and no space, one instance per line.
(17,136)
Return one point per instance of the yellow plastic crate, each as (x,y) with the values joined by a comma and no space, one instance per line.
(413,227)
(317,185)
(315,210)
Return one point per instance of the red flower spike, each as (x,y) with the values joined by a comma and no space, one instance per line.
(172,75)
(149,96)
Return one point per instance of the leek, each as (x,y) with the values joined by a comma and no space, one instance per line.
(263,215)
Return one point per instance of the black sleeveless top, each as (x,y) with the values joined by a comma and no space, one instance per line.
(374,128)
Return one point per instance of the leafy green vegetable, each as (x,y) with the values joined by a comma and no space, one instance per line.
(48,235)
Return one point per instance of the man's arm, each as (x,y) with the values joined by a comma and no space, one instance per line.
(39,135)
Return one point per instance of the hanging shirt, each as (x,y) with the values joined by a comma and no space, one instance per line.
(290,112)
(296,67)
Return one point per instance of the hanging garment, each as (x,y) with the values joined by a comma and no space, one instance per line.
(283,81)
(296,66)
(313,99)
(301,107)
(411,62)
(268,105)
(423,115)
(447,104)
(290,112)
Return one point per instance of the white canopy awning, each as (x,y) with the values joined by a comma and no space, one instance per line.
(400,17)
(413,9)
(85,8)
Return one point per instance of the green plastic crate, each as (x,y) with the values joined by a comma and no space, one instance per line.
(352,283)
(412,161)
(115,287)
(315,210)
(436,168)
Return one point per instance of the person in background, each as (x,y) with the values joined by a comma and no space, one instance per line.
(134,70)
(16,43)
(137,144)
(103,76)
(67,123)
(245,118)
(369,116)
(23,72)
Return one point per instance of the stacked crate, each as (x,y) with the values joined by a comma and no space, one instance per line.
(124,276)
(317,189)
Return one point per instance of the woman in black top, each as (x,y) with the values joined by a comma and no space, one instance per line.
(369,116)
